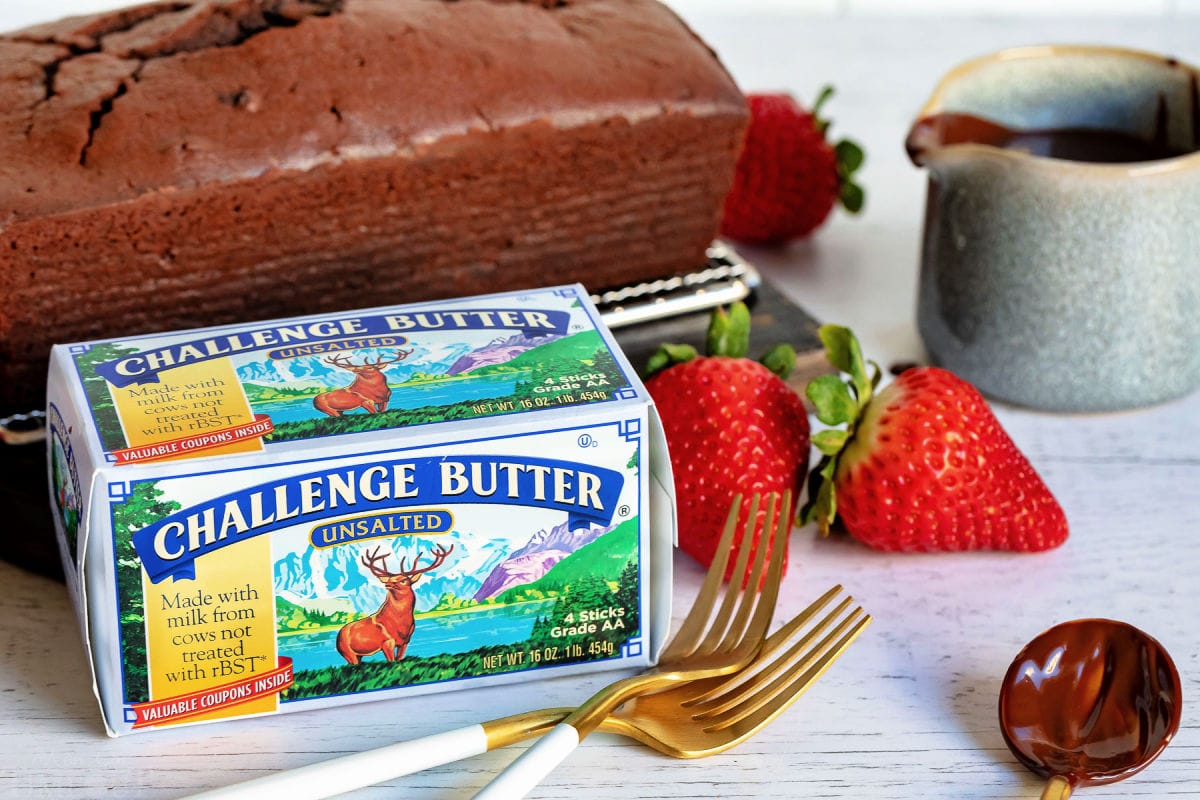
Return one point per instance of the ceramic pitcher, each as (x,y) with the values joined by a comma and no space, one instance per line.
(1061,254)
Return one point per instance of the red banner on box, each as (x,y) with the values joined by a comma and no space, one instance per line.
(172,709)
(261,426)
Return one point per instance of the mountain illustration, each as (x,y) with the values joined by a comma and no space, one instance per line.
(293,371)
(606,556)
(316,577)
(537,557)
(498,351)
(315,371)
(335,578)
(323,575)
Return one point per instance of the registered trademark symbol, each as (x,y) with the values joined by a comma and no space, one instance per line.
(623,511)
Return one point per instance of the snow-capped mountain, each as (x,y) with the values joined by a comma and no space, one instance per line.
(318,575)
(315,371)
(303,371)
(322,575)
(518,571)
(499,351)
(544,549)
(461,574)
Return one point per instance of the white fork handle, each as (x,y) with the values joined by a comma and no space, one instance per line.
(533,765)
(357,770)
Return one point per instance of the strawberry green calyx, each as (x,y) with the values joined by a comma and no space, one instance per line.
(780,359)
(728,335)
(849,157)
(729,332)
(848,154)
(668,355)
(837,401)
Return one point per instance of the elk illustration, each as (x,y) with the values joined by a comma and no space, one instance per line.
(388,629)
(369,389)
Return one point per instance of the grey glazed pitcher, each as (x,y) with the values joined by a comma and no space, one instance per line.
(1053,282)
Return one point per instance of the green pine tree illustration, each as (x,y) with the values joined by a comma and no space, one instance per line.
(143,506)
(96,388)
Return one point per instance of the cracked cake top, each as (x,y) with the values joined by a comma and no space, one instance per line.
(167,96)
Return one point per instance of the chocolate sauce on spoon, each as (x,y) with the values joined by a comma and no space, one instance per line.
(1089,702)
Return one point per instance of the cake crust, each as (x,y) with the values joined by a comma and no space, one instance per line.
(191,163)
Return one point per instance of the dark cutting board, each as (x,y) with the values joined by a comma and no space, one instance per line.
(774,319)
(28,536)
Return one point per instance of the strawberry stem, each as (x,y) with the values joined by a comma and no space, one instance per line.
(668,355)
(850,157)
(837,402)
(852,197)
(729,332)
(780,359)
(823,96)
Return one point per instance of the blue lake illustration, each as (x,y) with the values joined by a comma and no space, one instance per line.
(405,396)
(452,633)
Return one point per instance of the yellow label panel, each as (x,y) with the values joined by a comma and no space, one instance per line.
(196,409)
(215,631)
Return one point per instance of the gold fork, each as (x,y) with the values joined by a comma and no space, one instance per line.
(701,648)
(706,645)
(688,720)
(708,716)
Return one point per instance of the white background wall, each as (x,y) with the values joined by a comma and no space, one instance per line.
(958,8)
(19,13)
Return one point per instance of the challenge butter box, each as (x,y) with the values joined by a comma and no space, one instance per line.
(296,514)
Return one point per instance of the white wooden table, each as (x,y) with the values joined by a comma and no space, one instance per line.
(910,710)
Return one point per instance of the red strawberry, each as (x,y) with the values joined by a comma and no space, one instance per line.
(732,426)
(788,176)
(922,466)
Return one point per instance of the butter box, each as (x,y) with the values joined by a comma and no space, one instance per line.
(295,514)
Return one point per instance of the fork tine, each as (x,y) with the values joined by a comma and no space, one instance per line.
(744,637)
(721,622)
(717,694)
(723,632)
(769,676)
(784,699)
(693,626)
(777,696)
(704,640)
(763,595)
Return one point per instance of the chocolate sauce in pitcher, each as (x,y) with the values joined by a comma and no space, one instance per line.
(1092,145)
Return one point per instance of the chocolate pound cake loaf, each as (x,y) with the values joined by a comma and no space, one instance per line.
(178,164)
